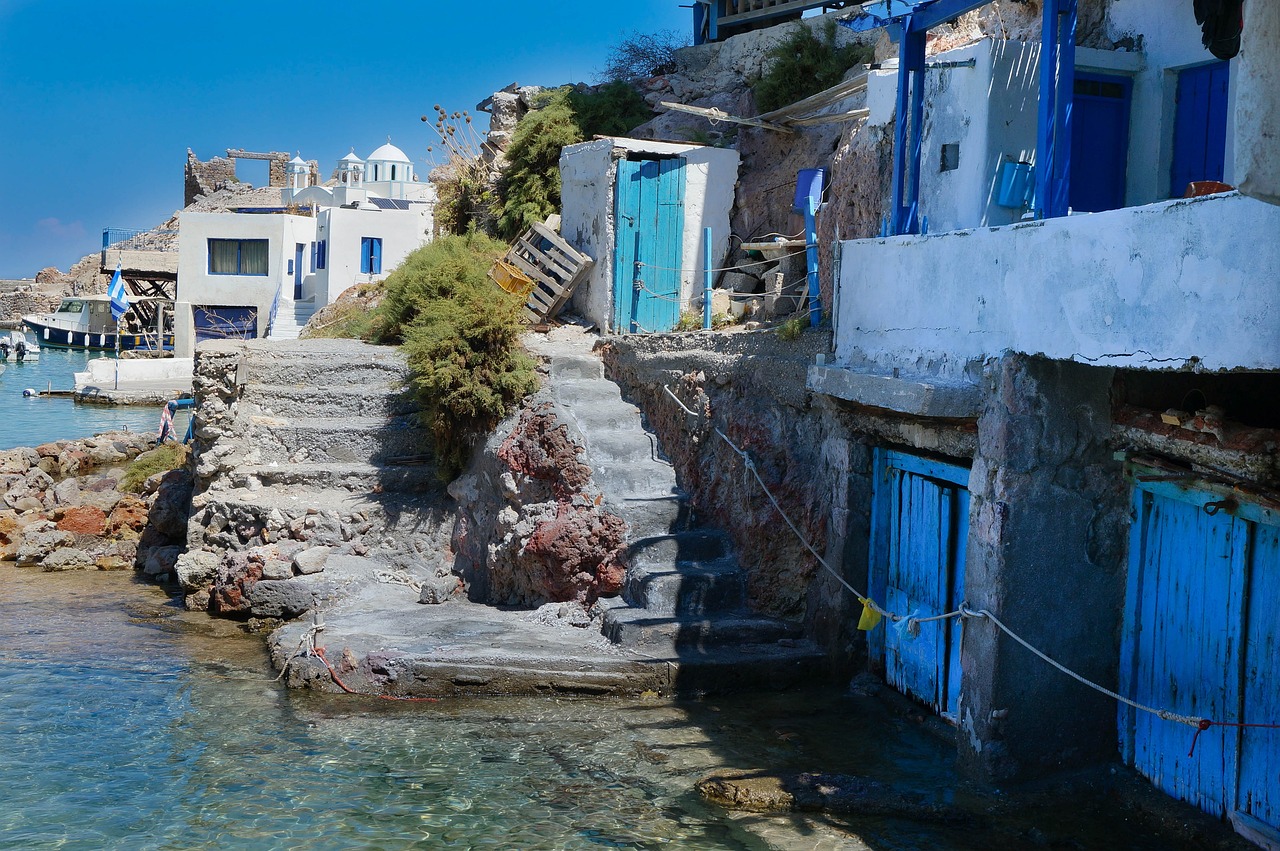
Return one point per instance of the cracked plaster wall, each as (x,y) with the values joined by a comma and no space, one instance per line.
(1147,288)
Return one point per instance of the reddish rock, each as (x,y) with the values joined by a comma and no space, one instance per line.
(540,448)
(239,572)
(83,520)
(49,450)
(579,553)
(128,518)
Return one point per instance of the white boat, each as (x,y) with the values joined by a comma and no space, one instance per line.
(16,348)
(85,322)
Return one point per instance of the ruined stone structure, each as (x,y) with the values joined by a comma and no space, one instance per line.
(207,177)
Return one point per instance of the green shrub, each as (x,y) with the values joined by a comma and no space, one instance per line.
(461,336)
(791,329)
(530,187)
(804,65)
(162,459)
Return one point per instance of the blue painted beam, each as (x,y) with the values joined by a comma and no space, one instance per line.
(1057,86)
(942,12)
(907,130)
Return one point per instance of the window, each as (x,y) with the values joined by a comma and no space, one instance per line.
(371,255)
(320,253)
(238,256)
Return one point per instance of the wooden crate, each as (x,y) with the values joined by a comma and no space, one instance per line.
(553,265)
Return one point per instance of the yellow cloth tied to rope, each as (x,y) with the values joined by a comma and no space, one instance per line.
(870,617)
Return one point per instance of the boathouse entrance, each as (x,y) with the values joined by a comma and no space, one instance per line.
(1202,639)
(919,529)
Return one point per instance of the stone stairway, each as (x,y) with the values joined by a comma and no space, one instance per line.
(290,319)
(684,599)
(318,448)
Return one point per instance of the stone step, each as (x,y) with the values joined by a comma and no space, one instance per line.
(608,414)
(693,548)
(362,440)
(585,393)
(365,400)
(356,478)
(687,590)
(625,447)
(575,367)
(300,367)
(657,634)
(388,510)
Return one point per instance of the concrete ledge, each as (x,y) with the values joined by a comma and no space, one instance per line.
(915,396)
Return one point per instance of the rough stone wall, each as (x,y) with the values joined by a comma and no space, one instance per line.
(531,528)
(1047,539)
(205,178)
(815,457)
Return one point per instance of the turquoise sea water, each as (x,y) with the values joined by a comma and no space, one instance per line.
(31,421)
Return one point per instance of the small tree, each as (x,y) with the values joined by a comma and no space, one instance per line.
(641,55)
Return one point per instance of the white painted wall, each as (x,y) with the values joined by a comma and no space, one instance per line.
(1164,286)
(401,232)
(1257,117)
(1170,42)
(100,371)
(197,287)
(588,175)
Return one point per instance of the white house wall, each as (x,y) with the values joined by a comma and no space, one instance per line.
(588,177)
(197,287)
(1170,41)
(401,232)
(1153,287)
(1257,116)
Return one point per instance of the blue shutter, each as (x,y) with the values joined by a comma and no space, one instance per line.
(375,257)
(366,253)
(320,253)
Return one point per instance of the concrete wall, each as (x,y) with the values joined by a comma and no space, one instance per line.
(103,370)
(1174,284)
(1257,116)
(587,173)
(197,287)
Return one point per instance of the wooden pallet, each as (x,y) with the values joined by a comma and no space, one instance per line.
(553,265)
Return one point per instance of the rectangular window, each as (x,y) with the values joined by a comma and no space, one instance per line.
(238,256)
(371,255)
(320,252)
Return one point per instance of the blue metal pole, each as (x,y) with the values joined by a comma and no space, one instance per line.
(706,278)
(1064,100)
(896,222)
(1048,110)
(811,257)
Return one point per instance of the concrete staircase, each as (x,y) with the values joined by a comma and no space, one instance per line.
(684,600)
(290,319)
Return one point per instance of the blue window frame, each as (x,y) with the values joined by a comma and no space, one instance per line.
(371,255)
(320,253)
(238,256)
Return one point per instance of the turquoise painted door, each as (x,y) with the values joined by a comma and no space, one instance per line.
(649,212)
(920,524)
(1201,637)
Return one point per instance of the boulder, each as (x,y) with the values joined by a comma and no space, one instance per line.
(128,518)
(37,546)
(67,558)
(311,560)
(83,520)
(196,570)
(161,561)
(67,492)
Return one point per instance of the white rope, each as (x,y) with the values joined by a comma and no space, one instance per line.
(386,577)
(1160,713)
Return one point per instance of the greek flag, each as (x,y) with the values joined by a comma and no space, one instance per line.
(119,297)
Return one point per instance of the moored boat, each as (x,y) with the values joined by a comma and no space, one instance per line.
(16,348)
(84,322)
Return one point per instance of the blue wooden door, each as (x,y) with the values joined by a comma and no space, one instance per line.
(920,528)
(1200,126)
(649,212)
(1099,142)
(297,270)
(1200,639)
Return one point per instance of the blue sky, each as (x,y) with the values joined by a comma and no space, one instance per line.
(100,101)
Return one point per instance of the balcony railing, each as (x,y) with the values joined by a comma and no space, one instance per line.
(127,239)
(718,19)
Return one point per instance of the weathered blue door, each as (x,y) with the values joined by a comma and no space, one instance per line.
(1099,142)
(1200,639)
(649,211)
(1199,126)
(920,523)
(297,270)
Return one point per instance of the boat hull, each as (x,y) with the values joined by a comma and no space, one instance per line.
(50,336)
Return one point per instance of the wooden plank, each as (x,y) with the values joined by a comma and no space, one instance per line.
(1258,791)
(571,253)
(712,114)
(555,266)
(534,272)
(763,12)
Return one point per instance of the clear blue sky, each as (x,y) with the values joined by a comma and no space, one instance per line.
(100,101)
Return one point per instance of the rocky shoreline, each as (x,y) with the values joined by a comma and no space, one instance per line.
(66,507)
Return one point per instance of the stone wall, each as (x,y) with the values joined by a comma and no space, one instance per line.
(205,178)
(814,454)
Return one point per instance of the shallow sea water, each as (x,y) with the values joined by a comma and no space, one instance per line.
(32,421)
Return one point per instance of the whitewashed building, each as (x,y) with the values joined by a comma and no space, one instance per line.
(264,272)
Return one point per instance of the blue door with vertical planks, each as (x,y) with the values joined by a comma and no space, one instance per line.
(649,212)
(1202,639)
(1199,126)
(920,525)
